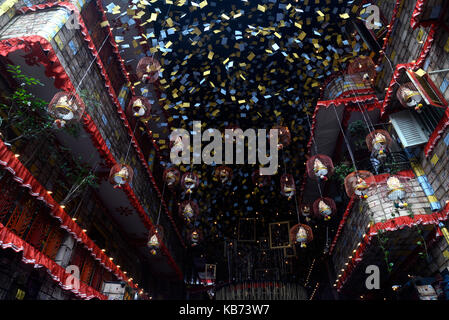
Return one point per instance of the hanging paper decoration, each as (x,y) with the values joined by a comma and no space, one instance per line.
(324,207)
(171,177)
(148,70)
(365,66)
(194,237)
(301,234)
(120,174)
(260,180)
(189,210)
(288,187)
(396,187)
(139,107)
(223,174)
(320,167)
(284,137)
(378,142)
(190,182)
(155,238)
(409,97)
(357,183)
(64,108)
(306,210)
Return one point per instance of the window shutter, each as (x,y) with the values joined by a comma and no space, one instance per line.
(408,129)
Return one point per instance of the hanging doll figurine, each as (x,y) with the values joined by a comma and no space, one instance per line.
(189,182)
(171,178)
(320,169)
(396,192)
(195,238)
(379,146)
(65,111)
(153,243)
(325,210)
(301,237)
(306,211)
(361,188)
(121,177)
(188,213)
(139,108)
(223,175)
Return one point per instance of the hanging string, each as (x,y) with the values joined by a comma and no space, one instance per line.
(130,142)
(160,205)
(91,63)
(316,152)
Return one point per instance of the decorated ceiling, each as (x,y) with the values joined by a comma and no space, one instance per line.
(235,63)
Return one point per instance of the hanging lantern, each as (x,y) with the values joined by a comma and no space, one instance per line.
(357,183)
(396,191)
(260,180)
(148,70)
(320,167)
(120,174)
(365,66)
(301,234)
(171,177)
(377,142)
(306,210)
(288,187)
(155,238)
(189,181)
(284,137)
(409,97)
(139,107)
(64,108)
(189,210)
(223,174)
(324,207)
(194,237)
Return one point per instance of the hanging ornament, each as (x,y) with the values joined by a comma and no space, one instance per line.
(189,182)
(320,167)
(260,180)
(396,186)
(189,210)
(358,183)
(378,142)
(288,187)
(120,174)
(194,237)
(301,234)
(139,107)
(148,70)
(171,177)
(223,174)
(65,108)
(284,137)
(324,207)
(365,66)
(409,97)
(306,211)
(155,238)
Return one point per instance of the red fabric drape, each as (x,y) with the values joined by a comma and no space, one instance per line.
(31,255)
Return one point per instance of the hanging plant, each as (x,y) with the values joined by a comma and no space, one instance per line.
(341,170)
(24,111)
(358,131)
